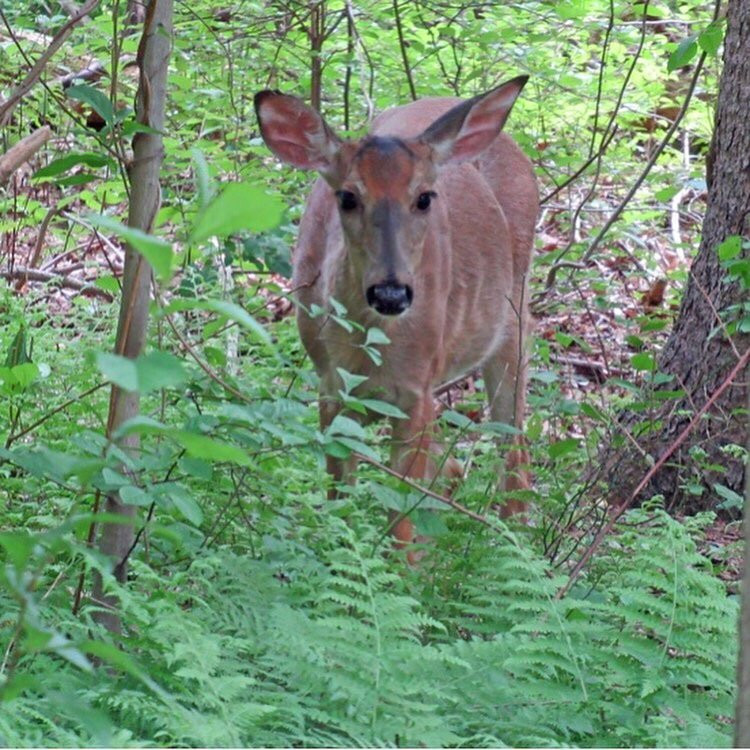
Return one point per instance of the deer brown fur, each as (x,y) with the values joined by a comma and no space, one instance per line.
(423,228)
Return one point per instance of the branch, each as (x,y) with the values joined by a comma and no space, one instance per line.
(17,155)
(402,46)
(7,107)
(31,274)
(484,520)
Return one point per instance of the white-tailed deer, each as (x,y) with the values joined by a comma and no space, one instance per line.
(423,228)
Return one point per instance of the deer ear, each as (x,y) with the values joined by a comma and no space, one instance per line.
(463,132)
(296,133)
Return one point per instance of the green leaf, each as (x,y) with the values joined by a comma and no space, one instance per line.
(113,479)
(643,361)
(376,336)
(108,284)
(571,9)
(239,315)
(732,500)
(711,37)
(18,378)
(148,373)
(666,194)
(63,647)
(342,425)
(457,419)
(350,379)
(684,53)
(211,449)
(155,250)
(498,428)
(19,546)
(383,407)
(358,446)
(564,339)
(202,179)
(132,495)
(121,660)
(140,425)
(186,504)
(159,369)
(18,351)
(196,467)
(562,447)
(100,103)
(64,163)
(118,370)
(730,248)
(238,206)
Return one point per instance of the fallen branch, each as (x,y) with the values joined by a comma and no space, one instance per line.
(32,274)
(22,151)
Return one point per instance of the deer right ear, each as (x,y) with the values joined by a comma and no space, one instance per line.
(463,132)
(296,133)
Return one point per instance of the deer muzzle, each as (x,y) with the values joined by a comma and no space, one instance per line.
(390,297)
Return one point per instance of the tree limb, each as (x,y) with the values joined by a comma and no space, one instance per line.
(22,151)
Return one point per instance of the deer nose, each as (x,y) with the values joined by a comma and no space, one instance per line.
(390,298)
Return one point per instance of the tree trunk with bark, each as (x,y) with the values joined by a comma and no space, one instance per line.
(117,539)
(742,712)
(699,353)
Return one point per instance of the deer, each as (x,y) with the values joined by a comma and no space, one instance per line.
(423,228)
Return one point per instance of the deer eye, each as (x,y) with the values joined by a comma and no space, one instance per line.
(424,200)
(347,200)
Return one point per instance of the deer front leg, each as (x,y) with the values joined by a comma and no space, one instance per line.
(505,381)
(411,456)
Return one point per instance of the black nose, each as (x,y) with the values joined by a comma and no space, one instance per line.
(390,298)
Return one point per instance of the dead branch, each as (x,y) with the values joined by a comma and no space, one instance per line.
(17,155)
(92,72)
(32,274)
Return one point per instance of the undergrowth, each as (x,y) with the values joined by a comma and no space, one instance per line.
(326,639)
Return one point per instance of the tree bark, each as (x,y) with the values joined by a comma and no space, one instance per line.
(316,35)
(699,353)
(117,540)
(742,712)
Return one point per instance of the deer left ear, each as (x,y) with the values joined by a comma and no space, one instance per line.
(295,132)
(463,132)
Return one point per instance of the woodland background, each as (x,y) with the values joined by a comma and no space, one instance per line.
(244,608)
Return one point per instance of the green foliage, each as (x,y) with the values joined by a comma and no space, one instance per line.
(256,612)
(315,641)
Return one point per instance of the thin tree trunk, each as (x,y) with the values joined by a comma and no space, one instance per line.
(116,540)
(317,36)
(699,353)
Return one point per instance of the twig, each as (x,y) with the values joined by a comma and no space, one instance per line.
(7,107)
(716,315)
(426,491)
(402,47)
(12,438)
(634,188)
(598,155)
(622,507)
(189,349)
